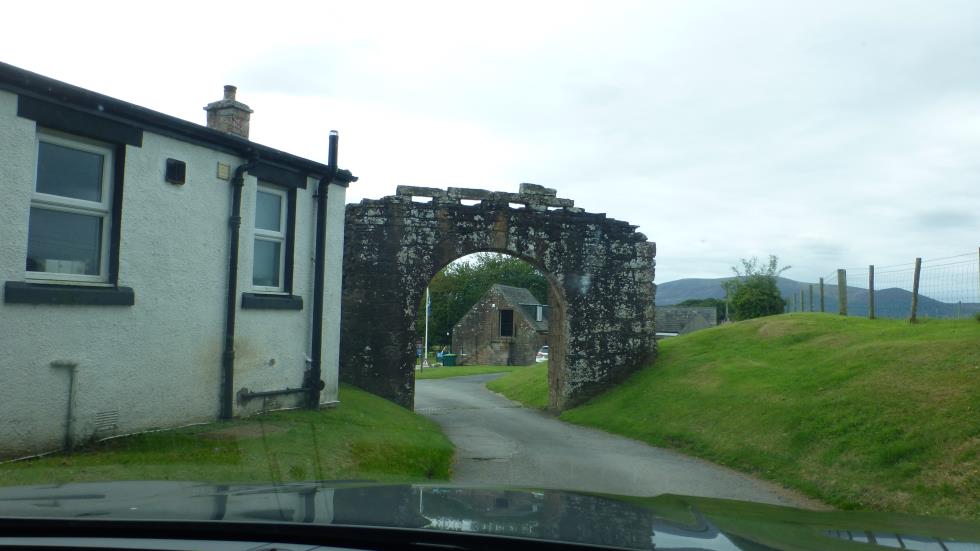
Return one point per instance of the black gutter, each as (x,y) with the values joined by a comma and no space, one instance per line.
(231,302)
(23,82)
(315,383)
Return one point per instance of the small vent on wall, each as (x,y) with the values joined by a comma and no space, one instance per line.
(106,421)
(176,171)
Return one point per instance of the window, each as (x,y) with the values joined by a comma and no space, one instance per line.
(269,256)
(71,211)
(506,323)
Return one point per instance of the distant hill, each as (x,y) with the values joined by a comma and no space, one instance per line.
(889,303)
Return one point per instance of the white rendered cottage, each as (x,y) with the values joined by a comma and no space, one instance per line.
(156,272)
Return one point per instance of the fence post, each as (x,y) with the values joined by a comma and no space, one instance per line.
(871,292)
(811,297)
(915,289)
(794,303)
(842,292)
(821,295)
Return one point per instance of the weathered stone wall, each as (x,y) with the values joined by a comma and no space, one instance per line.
(601,272)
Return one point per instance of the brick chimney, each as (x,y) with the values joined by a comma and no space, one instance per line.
(229,115)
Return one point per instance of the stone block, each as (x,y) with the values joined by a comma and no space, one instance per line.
(534,189)
(471,194)
(419,191)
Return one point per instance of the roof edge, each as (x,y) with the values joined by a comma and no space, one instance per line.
(22,81)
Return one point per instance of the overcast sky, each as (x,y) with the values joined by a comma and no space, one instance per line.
(829,133)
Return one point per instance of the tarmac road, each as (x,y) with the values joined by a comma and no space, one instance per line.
(500,443)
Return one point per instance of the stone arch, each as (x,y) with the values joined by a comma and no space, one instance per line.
(601,273)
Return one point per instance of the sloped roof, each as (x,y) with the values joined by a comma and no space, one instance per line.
(525,303)
(675,319)
(515,295)
(57,94)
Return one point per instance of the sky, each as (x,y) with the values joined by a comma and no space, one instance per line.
(829,133)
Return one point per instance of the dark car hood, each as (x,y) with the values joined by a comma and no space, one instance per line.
(663,522)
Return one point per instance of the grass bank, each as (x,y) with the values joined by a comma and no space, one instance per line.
(862,414)
(528,386)
(464,370)
(365,437)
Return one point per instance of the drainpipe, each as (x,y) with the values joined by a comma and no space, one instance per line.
(315,383)
(70,410)
(231,303)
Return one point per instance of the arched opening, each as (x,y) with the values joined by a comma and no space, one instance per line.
(600,274)
(489,310)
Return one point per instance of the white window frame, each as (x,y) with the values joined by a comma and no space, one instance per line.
(269,235)
(101,209)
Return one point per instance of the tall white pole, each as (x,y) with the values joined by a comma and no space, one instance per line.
(428,306)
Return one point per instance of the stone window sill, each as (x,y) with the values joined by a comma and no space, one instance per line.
(17,292)
(262,301)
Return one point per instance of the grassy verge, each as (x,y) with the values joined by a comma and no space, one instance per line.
(863,414)
(365,437)
(528,386)
(464,370)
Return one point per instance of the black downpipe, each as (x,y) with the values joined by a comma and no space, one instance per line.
(231,303)
(315,383)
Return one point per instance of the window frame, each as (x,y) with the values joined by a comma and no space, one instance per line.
(500,329)
(103,209)
(281,236)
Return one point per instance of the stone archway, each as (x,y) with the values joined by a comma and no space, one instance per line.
(601,272)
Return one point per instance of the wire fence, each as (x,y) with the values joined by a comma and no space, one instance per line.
(946,287)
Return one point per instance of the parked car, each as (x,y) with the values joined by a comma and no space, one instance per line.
(542,355)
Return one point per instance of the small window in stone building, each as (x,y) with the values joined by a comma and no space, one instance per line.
(506,323)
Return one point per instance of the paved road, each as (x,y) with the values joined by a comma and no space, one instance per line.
(500,443)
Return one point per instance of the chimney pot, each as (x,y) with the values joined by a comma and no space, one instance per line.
(228,114)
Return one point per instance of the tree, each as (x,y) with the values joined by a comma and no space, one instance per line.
(458,286)
(753,292)
(716,303)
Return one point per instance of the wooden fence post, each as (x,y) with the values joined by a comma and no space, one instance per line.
(871,292)
(811,297)
(842,292)
(821,295)
(915,289)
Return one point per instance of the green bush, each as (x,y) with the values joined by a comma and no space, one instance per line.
(754,292)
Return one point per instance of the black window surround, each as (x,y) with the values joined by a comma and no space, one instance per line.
(268,301)
(57,117)
(279,301)
(278,175)
(16,292)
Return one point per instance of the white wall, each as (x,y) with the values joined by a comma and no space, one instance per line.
(157,363)
(334,266)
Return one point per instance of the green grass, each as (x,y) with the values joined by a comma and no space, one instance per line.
(862,414)
(364,437)
(464,370)
(528,386)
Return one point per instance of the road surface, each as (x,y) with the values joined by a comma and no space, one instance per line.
(500,443)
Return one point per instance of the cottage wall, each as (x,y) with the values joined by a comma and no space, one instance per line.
(477,336)
(156,363)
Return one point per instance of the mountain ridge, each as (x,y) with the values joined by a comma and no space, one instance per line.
(889,303)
